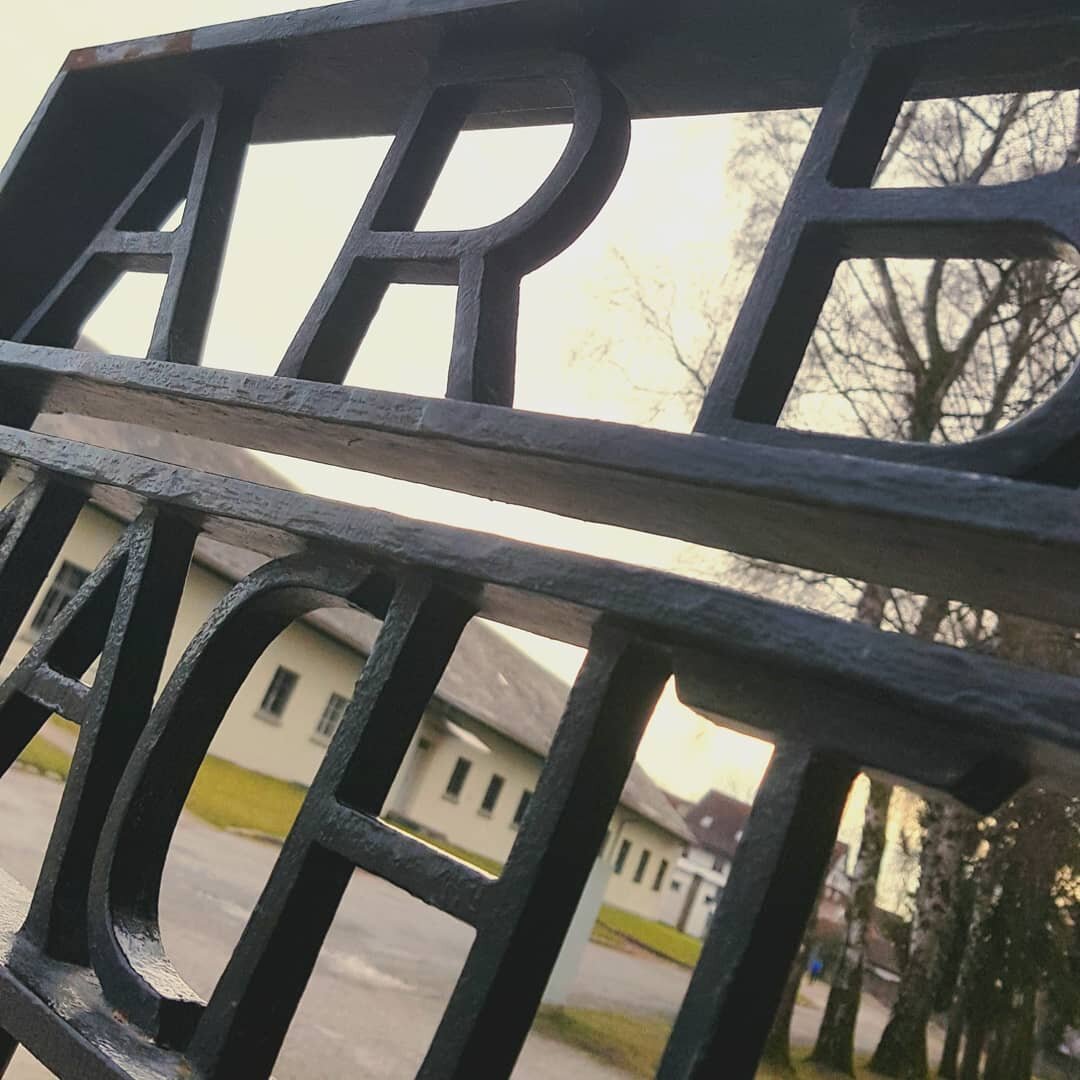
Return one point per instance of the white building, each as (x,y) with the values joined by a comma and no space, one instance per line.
(477,754)
(716,822)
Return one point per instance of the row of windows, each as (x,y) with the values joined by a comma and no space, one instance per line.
(459,774)
(642,865)
(69,579)
(65,585)
(281,689)
(67,582)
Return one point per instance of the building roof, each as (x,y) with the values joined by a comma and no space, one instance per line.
(488,677)
(717,821)
(681,806)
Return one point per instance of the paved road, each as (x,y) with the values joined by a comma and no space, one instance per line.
(386,970)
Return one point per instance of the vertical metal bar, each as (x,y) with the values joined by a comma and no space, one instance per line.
(775,876)
(485,332)
(41,516)
(64,649)
(792,281)
(84,150)
(253,1003)
(125,936)
(326,342)
(520,933)
(158,550)
(58,318)
(184,314)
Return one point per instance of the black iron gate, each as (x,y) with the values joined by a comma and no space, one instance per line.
(127,132)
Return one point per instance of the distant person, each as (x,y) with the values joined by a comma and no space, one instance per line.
(816,968)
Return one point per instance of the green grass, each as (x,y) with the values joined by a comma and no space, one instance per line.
(232,797)
(614,927)
(656,937)
(634,1043)
(63,724)
(224,794)
(604,935)
(46,757)
(630,1043)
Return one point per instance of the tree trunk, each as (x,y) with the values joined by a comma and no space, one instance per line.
(1014,1051)
(975,990)
(835,1046)
(973,1050)
(950,1052)
(902,1049)
(777,1050)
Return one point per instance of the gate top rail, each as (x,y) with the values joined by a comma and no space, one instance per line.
(129,132)
(701,57)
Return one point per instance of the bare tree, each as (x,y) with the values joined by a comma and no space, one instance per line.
(1022,936)
(931,351)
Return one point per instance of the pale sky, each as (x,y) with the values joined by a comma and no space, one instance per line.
(672,215)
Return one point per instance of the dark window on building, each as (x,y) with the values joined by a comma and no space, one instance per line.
(331,716)
(491,796)
(65,585)
(278,692)
(643,862)
(457,778)
(522,806)
(620,859)
(660,872)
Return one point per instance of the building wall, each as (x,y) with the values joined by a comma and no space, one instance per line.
(702,908)
(289,748)
(460,818)
(691,896)
(699,856)
(641,897)
(674,893)
(285,747)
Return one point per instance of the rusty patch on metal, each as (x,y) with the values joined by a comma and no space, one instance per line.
(125,51)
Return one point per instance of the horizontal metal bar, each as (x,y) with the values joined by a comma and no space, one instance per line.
(61,693)
(1020,450)
(867,677)
(423,871)
(929,530)
(680,60)
(1024,219)
(149,252)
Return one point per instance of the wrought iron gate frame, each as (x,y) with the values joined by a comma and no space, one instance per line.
(84,981)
